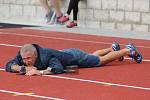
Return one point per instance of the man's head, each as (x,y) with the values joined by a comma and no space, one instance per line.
(29,54)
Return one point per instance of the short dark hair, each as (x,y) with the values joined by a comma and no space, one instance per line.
(28,48)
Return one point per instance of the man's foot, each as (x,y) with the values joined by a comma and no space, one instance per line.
(134,53)
(51,17)
(71,24)
(63,19)
(116,47)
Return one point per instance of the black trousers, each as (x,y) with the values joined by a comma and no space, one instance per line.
(73,5)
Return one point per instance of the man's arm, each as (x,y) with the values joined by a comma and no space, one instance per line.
(45,72)
(14,64)
(38,72)
(49,70)
(55,68)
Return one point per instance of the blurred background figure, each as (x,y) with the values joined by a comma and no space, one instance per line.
(51,16)
(73,5)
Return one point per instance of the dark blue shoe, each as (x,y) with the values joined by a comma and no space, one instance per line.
(116,47)
(134,53)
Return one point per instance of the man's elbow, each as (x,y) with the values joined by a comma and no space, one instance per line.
(8,67)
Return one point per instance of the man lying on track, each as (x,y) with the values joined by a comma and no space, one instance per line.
(35,60)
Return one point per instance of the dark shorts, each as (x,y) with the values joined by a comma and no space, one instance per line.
(84,59)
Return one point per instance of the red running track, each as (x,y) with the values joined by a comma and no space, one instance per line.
(129,81)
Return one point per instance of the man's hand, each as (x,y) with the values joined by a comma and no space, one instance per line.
(32,72)
(25,69)
(15,68)
(28,68)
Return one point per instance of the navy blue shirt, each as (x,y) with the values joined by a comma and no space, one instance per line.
(46,58)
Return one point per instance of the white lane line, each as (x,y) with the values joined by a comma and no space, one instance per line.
(66,39)
(2,69)
(49,37)
(31,95)
(11,45)
(145,60)
(26,94)
(97,82)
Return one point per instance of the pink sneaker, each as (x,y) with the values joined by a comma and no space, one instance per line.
(63,19)
(71,24)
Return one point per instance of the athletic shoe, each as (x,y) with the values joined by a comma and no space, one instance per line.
(57,20)
(116,47)
(134,53)
(63,19)
(71,24)
(51,17)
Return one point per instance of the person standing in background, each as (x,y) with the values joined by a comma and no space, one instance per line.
(51,16)
(73,5)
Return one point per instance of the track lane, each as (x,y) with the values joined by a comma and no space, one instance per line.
(116,69)
(70,90)
(82,37)
(104,73)
(54,42)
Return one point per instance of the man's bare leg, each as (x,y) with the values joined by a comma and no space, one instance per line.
(102,52)
(56,5)
(45,5)
(111,56)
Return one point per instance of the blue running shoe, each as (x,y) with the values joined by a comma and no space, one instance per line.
(116,47)
(51,17)
(134,53)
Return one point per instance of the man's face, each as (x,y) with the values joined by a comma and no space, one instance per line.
(29,58)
